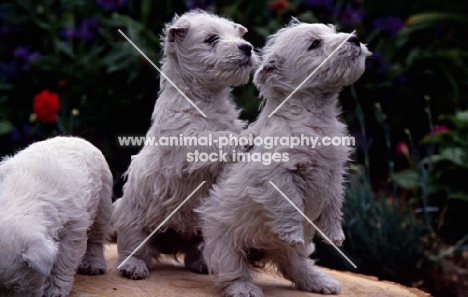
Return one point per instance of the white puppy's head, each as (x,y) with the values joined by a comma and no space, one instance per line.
(296,51)
(209,49)
(25,262)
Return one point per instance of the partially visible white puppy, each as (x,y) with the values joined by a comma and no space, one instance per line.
(55,208)
(246,220)
(204,55)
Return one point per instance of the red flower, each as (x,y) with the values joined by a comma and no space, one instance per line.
(438,129)
(279,6)
(402,148)
(46,106)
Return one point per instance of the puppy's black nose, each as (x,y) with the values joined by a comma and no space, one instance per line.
(246,48)
(354,40)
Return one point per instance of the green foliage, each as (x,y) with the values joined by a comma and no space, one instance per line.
(107,89)
(381,235)
(439,177)
(450,164)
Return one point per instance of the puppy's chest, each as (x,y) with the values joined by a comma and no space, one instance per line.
(319,163)
(319,152)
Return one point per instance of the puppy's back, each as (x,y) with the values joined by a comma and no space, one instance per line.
(62,171)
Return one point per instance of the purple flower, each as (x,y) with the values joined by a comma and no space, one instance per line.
(202,4)
(88,28)
(68,33)
(389,25)
(21,53)
(85,31)
(350,16)
(111,4)
(321,3)
(23,57)
(25,135)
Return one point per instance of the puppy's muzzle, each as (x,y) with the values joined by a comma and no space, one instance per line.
(354,40)
(246,49)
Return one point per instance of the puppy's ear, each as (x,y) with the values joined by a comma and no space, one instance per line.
(268,68)
(178,30)
(41,256)
(241,29)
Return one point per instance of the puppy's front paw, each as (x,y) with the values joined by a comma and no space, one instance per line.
(292,237)
(242,289)
(326,287)
(318,282)
(331,287)
(92,265)
(336,236)
(135,268)
(92,268)
(53,290)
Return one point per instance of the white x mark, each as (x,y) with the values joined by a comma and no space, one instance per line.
(160,225)
(312,223)
(162,73)
(310,75)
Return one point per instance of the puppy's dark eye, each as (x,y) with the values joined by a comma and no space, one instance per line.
(212,39)
(315,44)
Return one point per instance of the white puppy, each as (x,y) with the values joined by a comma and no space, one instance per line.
(204,55)
(247,222)
(55,208)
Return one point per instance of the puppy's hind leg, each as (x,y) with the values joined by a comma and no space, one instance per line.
(298,268)
(128,239)
(230,267)
(93,262)
(71,250)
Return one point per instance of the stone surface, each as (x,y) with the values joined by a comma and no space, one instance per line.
(169,278)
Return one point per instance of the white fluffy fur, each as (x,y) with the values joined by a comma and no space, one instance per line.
(245,220)
(55,208)
(160,178)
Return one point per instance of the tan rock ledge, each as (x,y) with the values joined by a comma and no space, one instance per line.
(169,279)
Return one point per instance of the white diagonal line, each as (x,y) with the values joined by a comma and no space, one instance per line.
(162,73)
(310,75)
(160,225)
(316,228)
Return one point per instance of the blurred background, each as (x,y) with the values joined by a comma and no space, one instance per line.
(65,70)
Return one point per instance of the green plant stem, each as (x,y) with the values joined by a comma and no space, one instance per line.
(391,164)
(423,181)
(360,117)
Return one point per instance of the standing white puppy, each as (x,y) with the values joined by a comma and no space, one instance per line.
(55,208)
(204,55)
(246,220)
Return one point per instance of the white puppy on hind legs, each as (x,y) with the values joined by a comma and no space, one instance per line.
(55,208)
(246,221)
(204,55)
